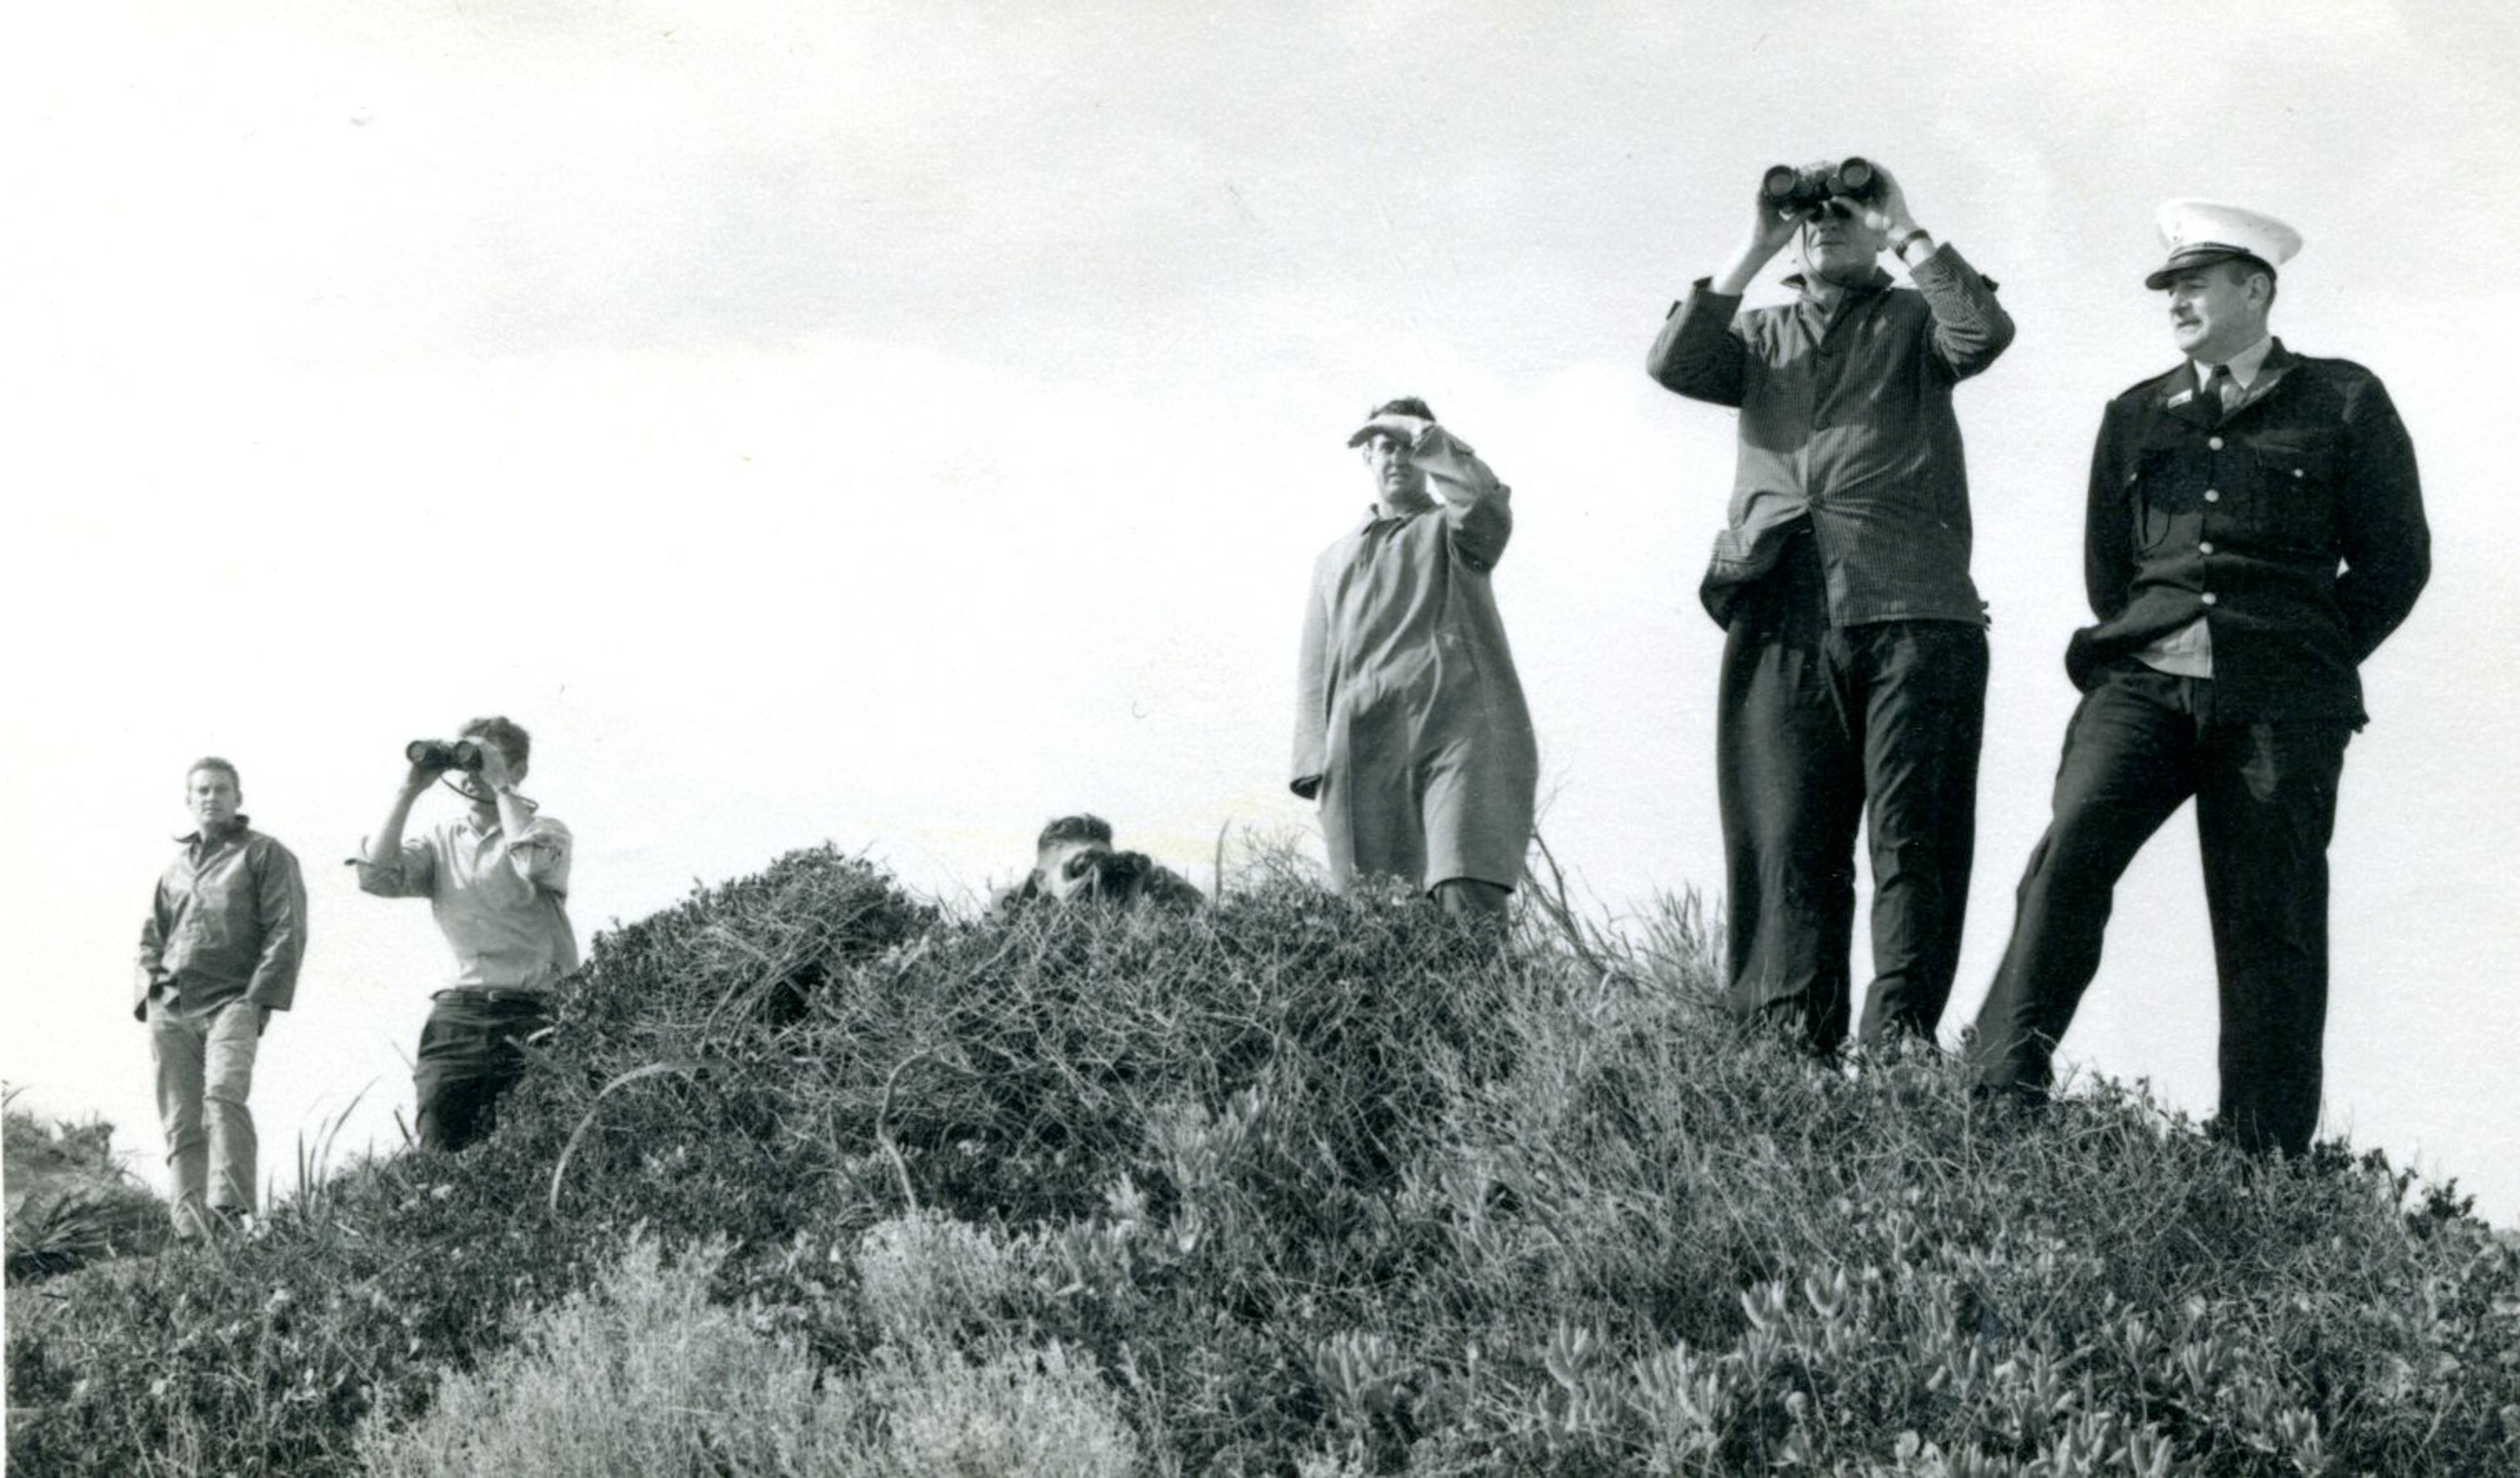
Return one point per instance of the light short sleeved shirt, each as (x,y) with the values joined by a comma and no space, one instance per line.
(500,902)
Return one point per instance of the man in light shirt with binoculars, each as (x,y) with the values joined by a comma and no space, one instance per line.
(497,879)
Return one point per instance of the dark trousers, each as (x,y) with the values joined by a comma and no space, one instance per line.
(1819,729)
(471,1054)
(2142,743)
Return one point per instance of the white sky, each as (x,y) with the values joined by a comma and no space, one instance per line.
(900,422)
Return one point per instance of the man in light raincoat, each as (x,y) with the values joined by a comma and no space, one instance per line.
(1410,724)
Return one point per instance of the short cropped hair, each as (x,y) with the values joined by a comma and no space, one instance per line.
(511,737)
(2245,267)
(214,762)
(1406,405)
(1071,828)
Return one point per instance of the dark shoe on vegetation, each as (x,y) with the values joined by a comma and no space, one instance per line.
(2010,1101)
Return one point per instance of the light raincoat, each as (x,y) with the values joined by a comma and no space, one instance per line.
(1409,716)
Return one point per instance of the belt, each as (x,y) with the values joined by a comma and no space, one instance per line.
(492,995)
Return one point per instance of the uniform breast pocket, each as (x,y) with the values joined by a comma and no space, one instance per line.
(2292,505)
(2156,494)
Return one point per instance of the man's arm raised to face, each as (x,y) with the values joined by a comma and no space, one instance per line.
(1970,327)
(1479,506)
(387,868)
(1697,354)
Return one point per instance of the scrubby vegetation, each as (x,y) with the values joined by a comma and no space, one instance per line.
(811,1181)
(648,1376)
(70,1200)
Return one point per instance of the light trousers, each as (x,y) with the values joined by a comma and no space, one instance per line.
(204,1070)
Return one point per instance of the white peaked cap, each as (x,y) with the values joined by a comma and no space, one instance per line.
(2196,233)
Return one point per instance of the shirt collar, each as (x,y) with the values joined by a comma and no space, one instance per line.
(2244,366)
(1376,513)
(1877,281)
(235,829)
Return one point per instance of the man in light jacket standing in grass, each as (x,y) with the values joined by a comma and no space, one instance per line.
(1410,723)
(220,952)
(1853,689)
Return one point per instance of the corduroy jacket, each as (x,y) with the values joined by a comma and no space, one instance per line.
(1846,422)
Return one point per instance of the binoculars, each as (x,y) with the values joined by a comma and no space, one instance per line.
(1107,874)
(444,754)
(1807,193)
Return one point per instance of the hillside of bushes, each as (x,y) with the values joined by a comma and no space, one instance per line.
(810,1179)
(70,1202)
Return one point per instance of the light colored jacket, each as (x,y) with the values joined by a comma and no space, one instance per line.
(1410,718)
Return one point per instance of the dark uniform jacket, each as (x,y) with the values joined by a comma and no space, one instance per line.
(2294,526)
(1846,425)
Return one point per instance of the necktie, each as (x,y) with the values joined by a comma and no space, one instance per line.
(2220,390)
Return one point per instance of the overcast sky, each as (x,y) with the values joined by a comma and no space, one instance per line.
(898,424)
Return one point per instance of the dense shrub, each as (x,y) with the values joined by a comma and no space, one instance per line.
(1307,1184)
(70,1200)
(645,1375)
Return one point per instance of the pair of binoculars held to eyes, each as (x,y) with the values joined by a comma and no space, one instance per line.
(444,754)
(1808,192)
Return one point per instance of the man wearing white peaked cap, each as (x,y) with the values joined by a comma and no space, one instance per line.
(2255,530)
(2201,233)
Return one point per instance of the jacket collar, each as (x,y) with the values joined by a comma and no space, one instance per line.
(1822,316)
(1376,513)
(2253,359)
(2270,372)
(2176,393)
(1878,282)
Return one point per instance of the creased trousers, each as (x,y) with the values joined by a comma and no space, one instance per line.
(205,1062)
(1820,730)
(2139,745)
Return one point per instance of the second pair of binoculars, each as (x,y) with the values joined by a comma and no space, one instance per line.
(443,754)
(1808,191)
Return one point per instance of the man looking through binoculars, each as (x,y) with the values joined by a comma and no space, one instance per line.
(1075,862)
(1854,676)
(497,880)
